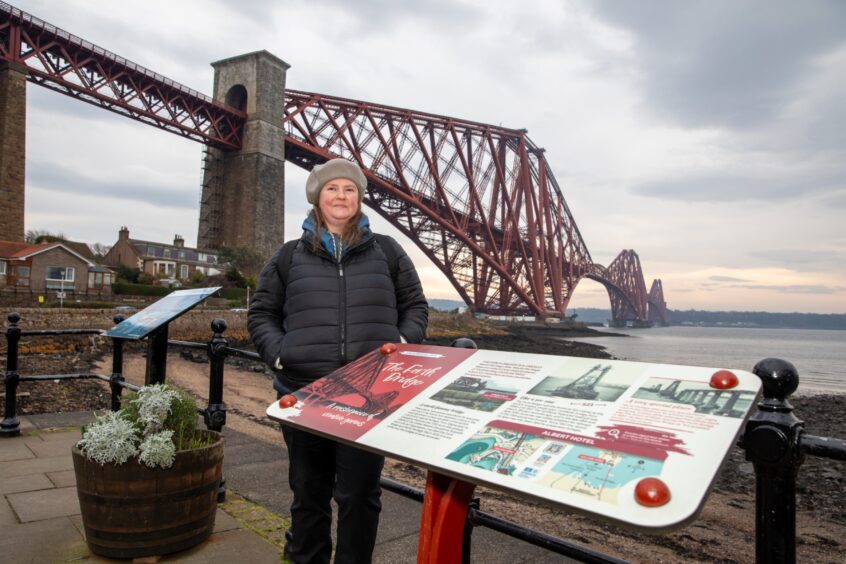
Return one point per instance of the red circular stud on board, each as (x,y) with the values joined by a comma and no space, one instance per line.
(724,380)
(287,401)
(387,348)
(652,492)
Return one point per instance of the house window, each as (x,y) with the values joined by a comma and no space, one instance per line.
(65,273)
(167,253)
(22,275)
(99,279)
(165,268)
(183,271)
(2,267)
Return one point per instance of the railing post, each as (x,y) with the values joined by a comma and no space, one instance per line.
(116,379)
(156,356)
(11,426)
(771,440)
(215,414)
(467,535)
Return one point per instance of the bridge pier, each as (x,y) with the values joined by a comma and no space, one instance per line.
(12,150)
(243,196)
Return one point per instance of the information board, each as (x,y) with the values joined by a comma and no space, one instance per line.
(163,311)
(573,431)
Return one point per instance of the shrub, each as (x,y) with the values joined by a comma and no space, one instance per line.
(127,273)
(146,278)
(152,425)
(124,288)
(233,294)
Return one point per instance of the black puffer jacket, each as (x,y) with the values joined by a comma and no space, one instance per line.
(332,313)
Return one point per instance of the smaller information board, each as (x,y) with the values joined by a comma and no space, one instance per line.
(577,432)
(163,311)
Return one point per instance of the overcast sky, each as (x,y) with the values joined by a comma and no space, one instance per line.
(708,136)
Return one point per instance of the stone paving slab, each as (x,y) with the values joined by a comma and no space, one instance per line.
(227,547)
(7,516)
(52,540)
(224,522)
(35,466)
(49,447)
(44,504)
(13,449)
(68,436)
(26,483)
(62,479)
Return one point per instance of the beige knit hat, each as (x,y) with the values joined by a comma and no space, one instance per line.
(330,170)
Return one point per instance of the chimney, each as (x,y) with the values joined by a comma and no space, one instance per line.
(123,234)
(178,241)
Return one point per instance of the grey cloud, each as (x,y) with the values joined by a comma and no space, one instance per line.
(734,187)
(794,288)
(800,259)
(57,178)
(835,200)
(726,63)
(442,13)
(369,13)
(726,279)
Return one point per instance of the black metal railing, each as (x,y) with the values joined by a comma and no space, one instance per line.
(774,438)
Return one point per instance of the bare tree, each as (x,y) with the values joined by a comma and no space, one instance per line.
(43,236)
(100,250)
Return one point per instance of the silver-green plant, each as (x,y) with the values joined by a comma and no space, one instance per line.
(152,425)
(154,405)
(158,449)
(111,438)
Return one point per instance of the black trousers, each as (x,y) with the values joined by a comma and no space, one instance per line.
(320,469)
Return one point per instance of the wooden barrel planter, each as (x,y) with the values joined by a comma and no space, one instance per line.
(130,510)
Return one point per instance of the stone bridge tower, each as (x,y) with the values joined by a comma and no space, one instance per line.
(243,196)
(12,150)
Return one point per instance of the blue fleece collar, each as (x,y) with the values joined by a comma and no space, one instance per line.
(331,243)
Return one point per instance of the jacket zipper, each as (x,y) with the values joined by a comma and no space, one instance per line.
(342,312)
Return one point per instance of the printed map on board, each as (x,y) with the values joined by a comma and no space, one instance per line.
(598,473)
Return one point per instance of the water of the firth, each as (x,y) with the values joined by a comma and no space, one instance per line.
(819,356)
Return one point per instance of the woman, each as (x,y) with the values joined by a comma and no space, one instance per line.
(332,298)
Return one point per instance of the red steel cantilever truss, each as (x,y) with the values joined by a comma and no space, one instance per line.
(626,287)
(68,64)
(658,312)
(481,201)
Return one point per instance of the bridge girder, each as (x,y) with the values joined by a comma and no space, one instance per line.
(481,201)
(68,64)
(657,306)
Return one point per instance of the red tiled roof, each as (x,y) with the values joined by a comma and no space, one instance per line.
(11,249)
(32,249)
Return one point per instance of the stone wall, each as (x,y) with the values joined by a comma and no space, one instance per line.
(192,326)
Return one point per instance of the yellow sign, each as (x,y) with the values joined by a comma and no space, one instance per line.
(41,299)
